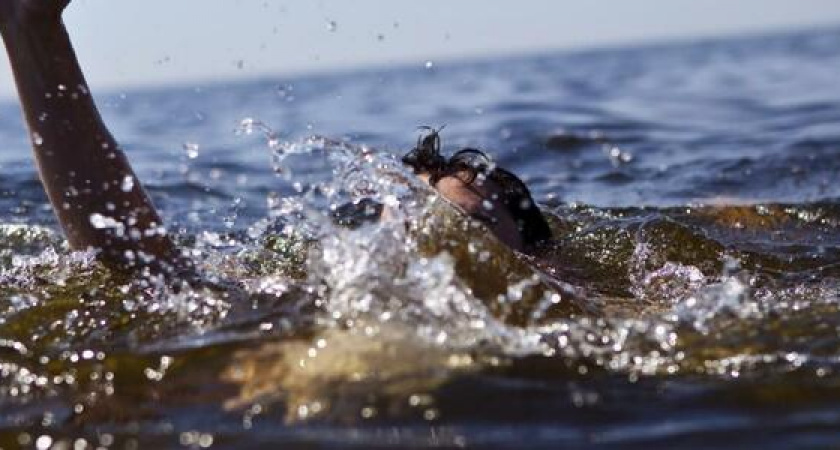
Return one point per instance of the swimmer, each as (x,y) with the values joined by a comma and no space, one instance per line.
(492,195)
(101,204)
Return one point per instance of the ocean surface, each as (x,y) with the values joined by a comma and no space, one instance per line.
(691,297)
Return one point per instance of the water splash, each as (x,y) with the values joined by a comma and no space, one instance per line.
(311,304)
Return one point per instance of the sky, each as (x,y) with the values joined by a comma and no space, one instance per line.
(130,43)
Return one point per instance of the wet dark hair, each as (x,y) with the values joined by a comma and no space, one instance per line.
(515,196)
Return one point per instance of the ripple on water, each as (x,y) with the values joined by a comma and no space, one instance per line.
(638,325)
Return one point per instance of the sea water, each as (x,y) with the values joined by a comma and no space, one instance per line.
(690,297)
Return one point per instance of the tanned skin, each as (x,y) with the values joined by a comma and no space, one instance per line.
(95,194)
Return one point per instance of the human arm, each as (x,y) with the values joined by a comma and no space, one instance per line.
(93,190)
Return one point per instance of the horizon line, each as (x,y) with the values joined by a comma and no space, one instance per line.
(454,60)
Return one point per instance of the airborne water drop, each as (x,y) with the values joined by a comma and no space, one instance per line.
(127,184)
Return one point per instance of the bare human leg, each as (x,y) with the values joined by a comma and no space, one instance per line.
(93,190)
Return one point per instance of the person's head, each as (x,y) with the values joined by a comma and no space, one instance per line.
(487,193)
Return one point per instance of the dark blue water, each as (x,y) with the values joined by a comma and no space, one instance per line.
(695,193)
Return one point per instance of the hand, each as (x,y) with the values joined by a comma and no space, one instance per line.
(32,11)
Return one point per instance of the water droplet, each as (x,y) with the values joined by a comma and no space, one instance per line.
(205,440)
(332,26)
(430,65)
(618,156)
(285,91)
(191,148)
(37,139)
(247,125)
(43,442)
(274,142)
(127,184)
(101,222)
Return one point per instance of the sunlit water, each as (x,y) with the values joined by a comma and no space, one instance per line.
(690,298)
